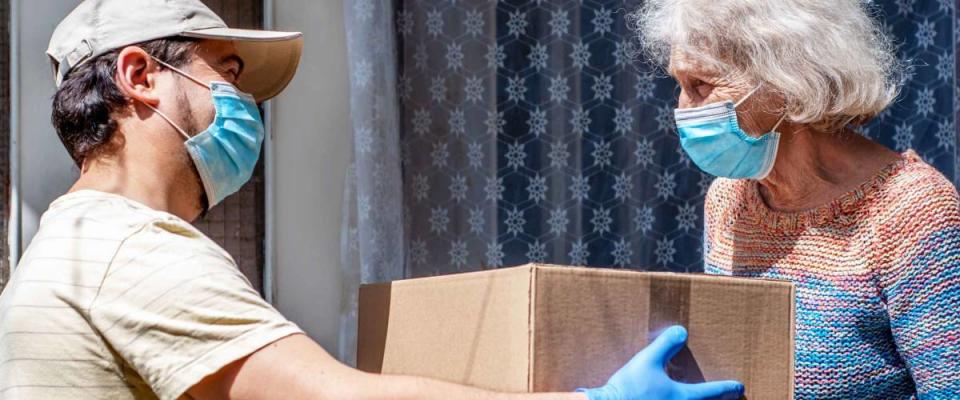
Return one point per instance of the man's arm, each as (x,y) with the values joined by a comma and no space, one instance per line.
(296,367)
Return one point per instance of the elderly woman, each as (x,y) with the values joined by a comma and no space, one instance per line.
(772,92)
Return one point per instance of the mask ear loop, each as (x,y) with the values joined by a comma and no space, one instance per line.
(777,125)
(782,117)
(181,72)
(164,116)
(188,76)
(737,104)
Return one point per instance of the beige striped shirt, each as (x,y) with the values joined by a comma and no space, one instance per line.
(114,300)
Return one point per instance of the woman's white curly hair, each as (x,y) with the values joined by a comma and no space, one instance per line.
(830,59)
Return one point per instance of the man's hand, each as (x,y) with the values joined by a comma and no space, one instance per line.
(645,376)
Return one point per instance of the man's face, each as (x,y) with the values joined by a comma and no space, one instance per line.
(191,104)
(215,61)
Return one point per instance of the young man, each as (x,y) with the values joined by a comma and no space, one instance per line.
(119,297)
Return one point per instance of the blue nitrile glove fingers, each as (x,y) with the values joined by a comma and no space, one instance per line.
(644,377)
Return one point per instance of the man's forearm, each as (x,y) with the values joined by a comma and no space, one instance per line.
(377,387)
(296,367)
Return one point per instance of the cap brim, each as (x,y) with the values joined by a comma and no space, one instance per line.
(270,58)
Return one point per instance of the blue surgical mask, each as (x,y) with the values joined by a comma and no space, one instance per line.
(226,153)
(714,141)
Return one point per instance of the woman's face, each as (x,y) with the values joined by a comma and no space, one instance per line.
(701,85)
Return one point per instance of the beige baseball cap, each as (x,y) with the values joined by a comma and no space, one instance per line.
(96,27)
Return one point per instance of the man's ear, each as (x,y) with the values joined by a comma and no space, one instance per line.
(136,75)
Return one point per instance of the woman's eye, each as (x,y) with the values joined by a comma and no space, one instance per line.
(703,89)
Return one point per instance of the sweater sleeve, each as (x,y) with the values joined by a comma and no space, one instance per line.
(921,286)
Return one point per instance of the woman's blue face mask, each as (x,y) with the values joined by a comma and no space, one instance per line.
(226,153)
(714,141)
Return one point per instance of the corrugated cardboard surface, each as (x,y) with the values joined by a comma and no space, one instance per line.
(471,328)
(546,328)
(589,322)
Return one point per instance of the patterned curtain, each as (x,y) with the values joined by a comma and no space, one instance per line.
(529,134)
(923,118)
(373,240)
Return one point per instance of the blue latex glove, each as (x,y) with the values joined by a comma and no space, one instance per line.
(645,376)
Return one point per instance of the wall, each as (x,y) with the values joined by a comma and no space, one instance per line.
(312,150)
(46,171)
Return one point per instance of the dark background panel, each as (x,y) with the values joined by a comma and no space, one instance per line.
(237,224)
(4,137)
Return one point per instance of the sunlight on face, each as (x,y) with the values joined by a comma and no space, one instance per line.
(702,84)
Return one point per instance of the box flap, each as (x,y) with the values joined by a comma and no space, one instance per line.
(474,325)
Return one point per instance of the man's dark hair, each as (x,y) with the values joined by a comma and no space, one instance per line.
(83,107)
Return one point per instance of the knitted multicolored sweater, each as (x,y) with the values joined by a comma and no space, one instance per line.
(877,273)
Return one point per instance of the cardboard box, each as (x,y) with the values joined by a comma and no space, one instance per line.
(539,328)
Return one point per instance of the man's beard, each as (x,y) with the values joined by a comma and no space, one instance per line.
(189,121)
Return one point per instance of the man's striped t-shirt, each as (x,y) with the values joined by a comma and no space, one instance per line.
(114,300)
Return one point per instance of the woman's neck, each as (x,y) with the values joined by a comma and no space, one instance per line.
(815,167)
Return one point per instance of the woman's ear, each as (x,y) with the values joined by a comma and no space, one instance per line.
(136,75)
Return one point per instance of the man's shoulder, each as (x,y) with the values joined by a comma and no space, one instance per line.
(132,227)
(90,213)
(165,240)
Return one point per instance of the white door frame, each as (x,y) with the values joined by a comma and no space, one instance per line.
(269,182)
